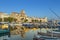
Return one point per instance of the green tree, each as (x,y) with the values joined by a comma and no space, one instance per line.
(25,20)
(5,19)
(36,20)
(0,19)
(10,19)
(40,21)
(33,20)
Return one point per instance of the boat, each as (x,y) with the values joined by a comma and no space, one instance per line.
(40,37)
(4,29)
(52,34)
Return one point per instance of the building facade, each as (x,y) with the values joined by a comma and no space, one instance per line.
(22,17)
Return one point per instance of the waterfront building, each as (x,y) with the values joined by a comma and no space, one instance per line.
(2,15)
(22,17)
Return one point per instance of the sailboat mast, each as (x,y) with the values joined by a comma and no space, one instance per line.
(54,13)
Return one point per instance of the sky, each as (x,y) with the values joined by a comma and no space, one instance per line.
(33,8)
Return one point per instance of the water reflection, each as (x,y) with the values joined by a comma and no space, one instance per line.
(23,31)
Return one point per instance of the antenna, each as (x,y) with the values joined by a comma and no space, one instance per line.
(54,13)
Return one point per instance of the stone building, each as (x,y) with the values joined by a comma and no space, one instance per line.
(22,17)
(2,15)
(14,15)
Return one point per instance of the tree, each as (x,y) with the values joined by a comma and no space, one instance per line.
(10,19)
(32,20)
(35,21)
(15,20)
(0,19)
(25,20)
(40,21)
(5,19)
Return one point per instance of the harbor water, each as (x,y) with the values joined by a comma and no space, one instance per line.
(28,35)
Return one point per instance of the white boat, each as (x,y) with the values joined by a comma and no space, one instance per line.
(55,31)
(40,37)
